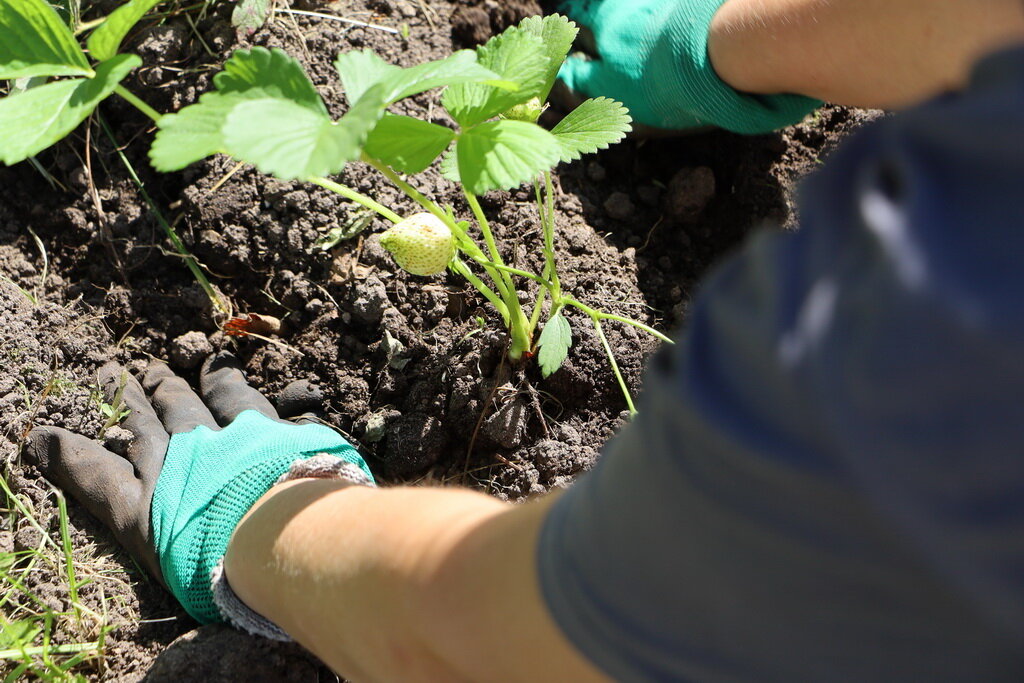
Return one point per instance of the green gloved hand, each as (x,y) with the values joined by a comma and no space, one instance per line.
(193,469)
(653,57)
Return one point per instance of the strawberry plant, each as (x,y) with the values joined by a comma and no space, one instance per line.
(36,46)
(265,111)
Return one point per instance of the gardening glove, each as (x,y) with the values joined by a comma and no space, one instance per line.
(653,57)
(194,468)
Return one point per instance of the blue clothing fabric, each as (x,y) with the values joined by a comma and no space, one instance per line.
(826,477)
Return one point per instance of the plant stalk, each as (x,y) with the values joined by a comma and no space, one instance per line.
(548,225)
(485,228)
(615,365)
(462,269)
(357,197)
(519,325)
(594,313)
(408,189)
(138,103)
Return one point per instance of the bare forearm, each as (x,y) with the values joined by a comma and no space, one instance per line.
(871,53)
(400,584)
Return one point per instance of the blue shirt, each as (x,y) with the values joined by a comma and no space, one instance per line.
(826,477)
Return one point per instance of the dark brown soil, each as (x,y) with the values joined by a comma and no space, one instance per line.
(638,225)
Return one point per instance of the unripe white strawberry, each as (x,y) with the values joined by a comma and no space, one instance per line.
(527,111)
(421,244)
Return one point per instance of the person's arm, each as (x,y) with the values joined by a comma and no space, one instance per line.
(868,53)
(403,584)
(397,585)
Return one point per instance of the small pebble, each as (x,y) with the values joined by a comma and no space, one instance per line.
(649,195)
(298,397)
(372,301)
(619,206)
(189,350)
(27,538)
(118,439)
(6,542)
(689,192)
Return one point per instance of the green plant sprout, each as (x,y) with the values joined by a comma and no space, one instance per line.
(115,411)
(37,45)
(265,111)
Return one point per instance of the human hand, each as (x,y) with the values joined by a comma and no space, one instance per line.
(652,55)
(194,468)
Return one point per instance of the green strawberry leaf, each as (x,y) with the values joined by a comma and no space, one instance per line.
(260,72)
(105,40)
(35,42)
(456,69)
(361,69)
(290,141)
(557,33)
(407,144)
(500,155)
(33,120)
(515,55)
(450,165)
(554,344)
(193,133)
(198,130)
(594,125)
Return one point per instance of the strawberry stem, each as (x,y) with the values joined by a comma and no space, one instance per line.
(357,197)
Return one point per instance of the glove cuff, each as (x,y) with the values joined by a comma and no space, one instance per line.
(210,480)
(229,606)
(682,48)
(188,574)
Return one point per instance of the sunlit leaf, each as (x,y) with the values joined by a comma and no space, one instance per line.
(290,141)
(105,40)
(33,120)
(593,125)
(35,42)
(361,69)
(515,55)
(557,34)
(500,155)
(554,344)
(407,144)
(270,73)
(194,133)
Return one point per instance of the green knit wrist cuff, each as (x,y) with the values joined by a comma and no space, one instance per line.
(190,580)
(683,50)
(210,479)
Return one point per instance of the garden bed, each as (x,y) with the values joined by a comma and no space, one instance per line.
(412,369)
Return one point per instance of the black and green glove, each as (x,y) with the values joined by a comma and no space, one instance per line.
(194,468)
